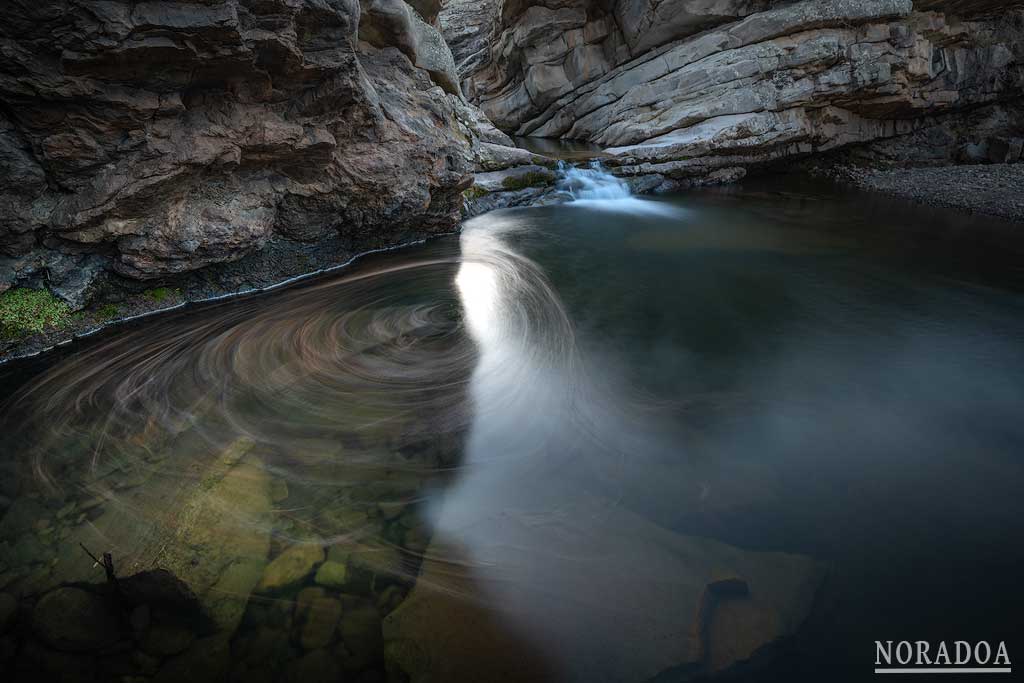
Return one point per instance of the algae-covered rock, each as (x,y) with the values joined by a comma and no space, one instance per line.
(341,519)
(225,601)
(291,567)
(332,575)
(278,490)
(200,526)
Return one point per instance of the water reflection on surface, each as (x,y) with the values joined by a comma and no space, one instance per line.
(732,436)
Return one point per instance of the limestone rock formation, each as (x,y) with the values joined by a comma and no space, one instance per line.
(143,141)
(700,88)
(469,27)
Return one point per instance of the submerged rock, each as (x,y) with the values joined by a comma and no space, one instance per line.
(332,575)
(196,536)
(601,595)
(159,588)
(291,567)
(321,622)
(76,620)
(167,637)
(361,635)
(205,661)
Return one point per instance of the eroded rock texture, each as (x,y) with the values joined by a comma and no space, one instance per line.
(143,140)
(692,88)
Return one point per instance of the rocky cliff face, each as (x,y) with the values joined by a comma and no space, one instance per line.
(232,142)
(143,141)
(692,89)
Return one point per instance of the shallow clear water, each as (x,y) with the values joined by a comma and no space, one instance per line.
(738,433)
(569,150)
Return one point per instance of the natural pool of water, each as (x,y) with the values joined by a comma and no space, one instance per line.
(738,433)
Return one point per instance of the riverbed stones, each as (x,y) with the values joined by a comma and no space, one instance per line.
(305,598)
(291,567)
(361,634)
(75,620)
(321,622)
(196,534)
(278,490)
(332,575)
(205,661)
(167,637)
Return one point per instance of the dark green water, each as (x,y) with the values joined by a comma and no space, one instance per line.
(735,434)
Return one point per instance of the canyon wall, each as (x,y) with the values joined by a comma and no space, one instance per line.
(698,89)
(246,139)
(225,144)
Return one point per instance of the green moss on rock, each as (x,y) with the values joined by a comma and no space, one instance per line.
(161,293)
(30,311)
(291,567)
(529,179)
(107,312)
(475,192)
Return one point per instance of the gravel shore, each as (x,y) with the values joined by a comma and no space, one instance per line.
(994,189)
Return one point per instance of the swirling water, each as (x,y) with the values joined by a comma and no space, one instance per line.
(740,432)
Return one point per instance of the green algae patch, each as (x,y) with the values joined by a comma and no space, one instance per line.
(161,294)
(525,180)
(31,311)
(107,312)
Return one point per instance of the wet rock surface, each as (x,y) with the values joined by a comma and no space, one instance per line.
(690,89)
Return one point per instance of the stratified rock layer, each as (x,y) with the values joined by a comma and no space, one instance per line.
(151,139)
(692,88)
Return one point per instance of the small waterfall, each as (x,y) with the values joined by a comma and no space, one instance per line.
(593,187)
(592,182)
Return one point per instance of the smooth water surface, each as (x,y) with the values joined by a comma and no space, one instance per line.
(738,433)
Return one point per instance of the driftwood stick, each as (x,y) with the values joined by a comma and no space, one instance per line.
(108,567)
(94,558)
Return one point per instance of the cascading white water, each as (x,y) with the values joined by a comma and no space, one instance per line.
(595,188)
(593,182)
